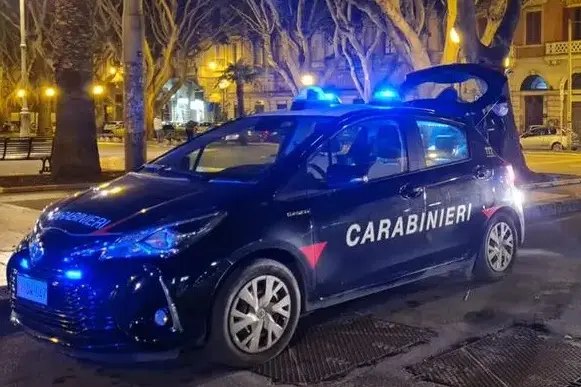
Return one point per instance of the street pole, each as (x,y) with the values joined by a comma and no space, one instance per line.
(570,91)
(133,93)
(24,113)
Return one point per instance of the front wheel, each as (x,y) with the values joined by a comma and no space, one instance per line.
(557,147)
(255,314)
(498,250)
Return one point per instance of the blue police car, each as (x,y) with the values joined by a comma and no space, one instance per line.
(225,244)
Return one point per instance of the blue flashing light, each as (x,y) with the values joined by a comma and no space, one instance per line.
(387,94)
(74,274)
(317,94)
(24,264)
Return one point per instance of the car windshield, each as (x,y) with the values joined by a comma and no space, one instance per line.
(241,150)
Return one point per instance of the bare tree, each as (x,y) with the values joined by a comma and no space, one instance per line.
(176,33)
(357,38)
(286,29)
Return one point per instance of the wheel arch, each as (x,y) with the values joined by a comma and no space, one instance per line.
(279,253)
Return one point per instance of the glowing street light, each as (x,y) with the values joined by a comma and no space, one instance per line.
(112,70)
(98,90)
(506,62)
(21,93)
(454,36)
(50,92)
(308,80)
(224,83)
(212,65)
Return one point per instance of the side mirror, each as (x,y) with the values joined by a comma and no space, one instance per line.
(345,175)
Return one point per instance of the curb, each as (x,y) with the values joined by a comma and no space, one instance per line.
(47,188)
(548,184)
(543,210)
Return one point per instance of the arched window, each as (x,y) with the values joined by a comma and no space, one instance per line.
(576,82)
(534,82)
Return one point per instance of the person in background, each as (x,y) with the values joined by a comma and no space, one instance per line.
(157,127)
(191,129)
(169,131)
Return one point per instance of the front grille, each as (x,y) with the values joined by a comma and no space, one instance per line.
(74,310)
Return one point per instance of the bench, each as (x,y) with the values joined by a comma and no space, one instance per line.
(27,148)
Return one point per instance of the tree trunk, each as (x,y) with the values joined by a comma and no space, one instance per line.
(133,93)
(240,98)
(44,124)
(75,155)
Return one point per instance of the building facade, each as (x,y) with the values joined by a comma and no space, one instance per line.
(540,65)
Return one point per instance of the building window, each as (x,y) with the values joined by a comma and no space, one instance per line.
(533,30)
(281,106)
(534,82)
(259,107)
(576,25)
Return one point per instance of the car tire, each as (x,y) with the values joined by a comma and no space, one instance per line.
(557,147)
(229,342)
(493,262)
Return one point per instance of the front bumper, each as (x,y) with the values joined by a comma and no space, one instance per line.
(112,309)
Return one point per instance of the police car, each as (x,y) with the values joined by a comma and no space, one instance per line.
(227,246)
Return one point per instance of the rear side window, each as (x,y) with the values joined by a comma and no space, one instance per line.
(442,143)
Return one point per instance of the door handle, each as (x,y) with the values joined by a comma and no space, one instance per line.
(409,192)
(482,173)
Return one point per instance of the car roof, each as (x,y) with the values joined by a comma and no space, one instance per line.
(340,111)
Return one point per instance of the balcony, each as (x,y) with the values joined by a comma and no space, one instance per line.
(560,50)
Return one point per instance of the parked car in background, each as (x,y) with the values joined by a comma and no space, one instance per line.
(548,138)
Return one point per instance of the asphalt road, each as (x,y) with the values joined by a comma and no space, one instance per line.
(544,287)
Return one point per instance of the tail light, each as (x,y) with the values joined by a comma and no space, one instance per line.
(510,175)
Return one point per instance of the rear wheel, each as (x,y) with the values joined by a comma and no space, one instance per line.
(557,147)
(255,314)
(499,248)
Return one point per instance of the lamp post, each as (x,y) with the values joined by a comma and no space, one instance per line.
(308,80)
(24,113)
(223,85)
(49,93)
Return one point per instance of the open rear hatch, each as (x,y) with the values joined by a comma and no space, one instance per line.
(437,88)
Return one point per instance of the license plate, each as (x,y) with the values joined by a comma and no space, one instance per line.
(31,289)
(232,137)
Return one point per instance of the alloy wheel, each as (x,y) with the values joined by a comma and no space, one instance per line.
(500,247)
(259,314)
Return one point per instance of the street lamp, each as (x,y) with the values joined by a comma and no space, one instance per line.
(49,92)
(223,85)
(212,65)
(308,80)
(21,93)
(98,90)
(24,113)
(112,70)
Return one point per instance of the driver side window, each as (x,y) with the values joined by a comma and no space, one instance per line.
(369,150)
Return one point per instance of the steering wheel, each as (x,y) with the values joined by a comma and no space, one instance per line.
(319,170)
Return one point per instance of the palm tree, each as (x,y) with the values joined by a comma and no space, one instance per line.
(75,146)
(239,73)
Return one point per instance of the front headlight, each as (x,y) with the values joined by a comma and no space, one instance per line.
(162,242)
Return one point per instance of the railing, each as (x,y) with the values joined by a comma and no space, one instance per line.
(562,48)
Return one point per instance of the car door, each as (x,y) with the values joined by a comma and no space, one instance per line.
(455,184)
(358,217)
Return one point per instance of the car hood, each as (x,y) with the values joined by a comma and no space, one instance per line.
(139,200)
(458,73)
